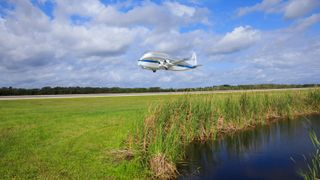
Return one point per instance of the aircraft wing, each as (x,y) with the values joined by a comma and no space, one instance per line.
(168,63)
(180,61)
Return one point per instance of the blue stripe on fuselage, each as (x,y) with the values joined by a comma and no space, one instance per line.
(151,61)
(186,66)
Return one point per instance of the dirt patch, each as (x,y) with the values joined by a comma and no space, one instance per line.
(121,154)
(162,168)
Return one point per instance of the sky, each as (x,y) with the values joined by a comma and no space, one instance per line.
(98,42)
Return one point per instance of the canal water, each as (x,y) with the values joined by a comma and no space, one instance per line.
(274,151)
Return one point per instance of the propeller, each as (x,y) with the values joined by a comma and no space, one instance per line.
(165,64)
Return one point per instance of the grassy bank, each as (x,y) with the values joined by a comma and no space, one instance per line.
(170,126)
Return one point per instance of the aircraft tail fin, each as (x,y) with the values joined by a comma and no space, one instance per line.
(194,59)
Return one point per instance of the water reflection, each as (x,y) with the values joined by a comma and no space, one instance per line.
(265,152)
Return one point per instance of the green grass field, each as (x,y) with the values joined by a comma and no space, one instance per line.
(69,138)
(85,137)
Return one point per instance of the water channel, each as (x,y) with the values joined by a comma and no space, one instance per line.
(273,151)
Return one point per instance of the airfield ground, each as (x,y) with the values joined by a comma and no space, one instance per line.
(71,137)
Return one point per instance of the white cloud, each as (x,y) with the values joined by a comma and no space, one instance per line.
(287,55)
(240,38)
(298,8)
(28,38)
(165,16)
(37,51)
(290,9)
(180,9)
(174,42)
(266,5)
(64,9)
(95,40)
(165,79)
(302,24)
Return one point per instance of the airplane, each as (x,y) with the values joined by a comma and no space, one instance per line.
(160,61)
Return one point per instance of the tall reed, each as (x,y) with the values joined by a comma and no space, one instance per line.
(170,126)
(313,170)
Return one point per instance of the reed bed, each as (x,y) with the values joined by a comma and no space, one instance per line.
(170,126)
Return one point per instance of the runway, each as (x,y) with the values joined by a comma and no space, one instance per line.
(136,94)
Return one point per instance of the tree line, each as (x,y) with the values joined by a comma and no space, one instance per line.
(8,91)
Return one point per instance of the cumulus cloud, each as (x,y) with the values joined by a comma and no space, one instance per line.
(164,16)
(96,44)
(302,24)
(64,9)
(68,53)
(290,9)
(266,6)
(21,38)
(287,55)
(298,8)
(174,42)
(29,37)
(240,38)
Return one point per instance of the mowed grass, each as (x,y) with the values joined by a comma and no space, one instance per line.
(69,138)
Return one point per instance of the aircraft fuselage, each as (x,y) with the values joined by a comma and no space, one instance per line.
(159,61)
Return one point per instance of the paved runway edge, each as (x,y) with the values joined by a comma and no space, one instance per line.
(137,94)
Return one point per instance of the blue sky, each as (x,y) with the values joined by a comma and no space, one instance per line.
(97,43)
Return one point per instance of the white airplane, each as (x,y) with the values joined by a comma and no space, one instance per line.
(160,61)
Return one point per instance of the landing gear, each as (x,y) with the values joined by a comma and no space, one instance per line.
(154,71)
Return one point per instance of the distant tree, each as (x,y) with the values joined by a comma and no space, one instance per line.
(6,91)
